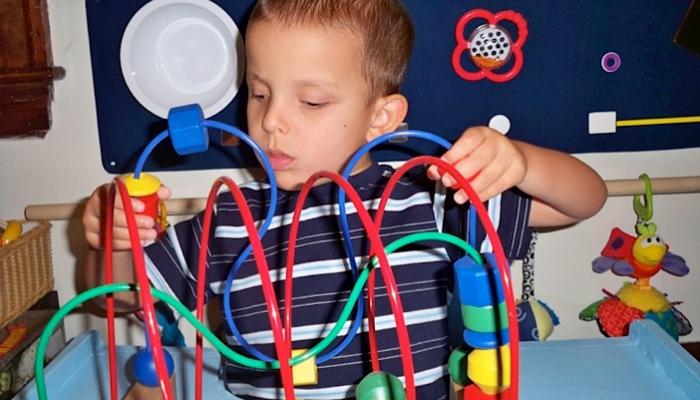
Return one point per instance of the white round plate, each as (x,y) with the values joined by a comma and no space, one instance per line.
(179,52)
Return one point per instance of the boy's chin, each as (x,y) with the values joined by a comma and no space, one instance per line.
(290,187)
(288,182)
(285,183)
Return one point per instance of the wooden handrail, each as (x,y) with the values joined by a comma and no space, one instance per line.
(190,206)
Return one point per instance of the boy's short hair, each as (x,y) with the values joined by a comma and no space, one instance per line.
(383,26)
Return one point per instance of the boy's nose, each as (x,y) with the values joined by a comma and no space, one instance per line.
(273,120)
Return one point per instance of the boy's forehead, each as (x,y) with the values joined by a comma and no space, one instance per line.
(311,82)
(305,56)
(305,25)
(287,39)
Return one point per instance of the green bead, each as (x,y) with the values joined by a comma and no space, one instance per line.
(485,319)
(457,365)
(380,386)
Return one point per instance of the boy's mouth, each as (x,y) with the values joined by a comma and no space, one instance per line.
(279,160)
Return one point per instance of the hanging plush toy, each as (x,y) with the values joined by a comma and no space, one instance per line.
(639,257)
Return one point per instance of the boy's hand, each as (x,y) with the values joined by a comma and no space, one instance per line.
(489,160)
(93,219)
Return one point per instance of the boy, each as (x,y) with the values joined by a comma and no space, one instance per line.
(323,79)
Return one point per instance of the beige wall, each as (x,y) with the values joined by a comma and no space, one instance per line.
(65,167)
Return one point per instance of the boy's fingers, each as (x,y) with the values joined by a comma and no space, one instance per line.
(485,178)
(120,238)
(136,204)
(469,167)
(495,181)
(483,183)
(142,221)
(465,145)
(433,172)
(164,193)
(493,190)
(467,155)
(122,234)
(93,239)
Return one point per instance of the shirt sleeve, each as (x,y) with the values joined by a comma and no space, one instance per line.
(171,262)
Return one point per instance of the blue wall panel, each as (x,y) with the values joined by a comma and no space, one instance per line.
(547,103)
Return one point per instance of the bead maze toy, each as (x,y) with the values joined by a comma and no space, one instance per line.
(483,285)
(645,365)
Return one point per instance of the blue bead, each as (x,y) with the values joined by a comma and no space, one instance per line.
(187,131)
(478,285)
(144,368)
(486,340)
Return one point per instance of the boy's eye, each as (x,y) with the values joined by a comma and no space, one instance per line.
(313,104)
(257,96)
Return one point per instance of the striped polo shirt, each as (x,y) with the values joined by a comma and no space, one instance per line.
(323,279)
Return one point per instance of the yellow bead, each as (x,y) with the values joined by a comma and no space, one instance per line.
(305,373)
(489,369)
(145,185)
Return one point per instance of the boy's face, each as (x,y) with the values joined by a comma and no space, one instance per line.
(307,99)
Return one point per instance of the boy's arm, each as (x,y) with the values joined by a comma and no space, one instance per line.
(93,219)
(564,189)
(123,272)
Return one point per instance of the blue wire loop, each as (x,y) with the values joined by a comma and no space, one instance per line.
(347,240)
(263,228)
(246,252)
(147,152)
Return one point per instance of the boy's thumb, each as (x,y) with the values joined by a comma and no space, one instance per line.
(164,193)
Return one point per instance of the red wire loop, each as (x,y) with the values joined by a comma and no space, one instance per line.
(150,319)
(109,278)
(282,344)
(376,249)
(491,233)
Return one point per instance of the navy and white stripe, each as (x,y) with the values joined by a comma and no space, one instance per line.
(322,278)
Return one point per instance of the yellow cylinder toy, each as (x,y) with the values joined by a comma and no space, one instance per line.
(145,188)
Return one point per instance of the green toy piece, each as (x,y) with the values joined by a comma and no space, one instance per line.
(380,385)
(457,365)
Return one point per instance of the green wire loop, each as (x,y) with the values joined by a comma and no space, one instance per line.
(644,211)
(210,336)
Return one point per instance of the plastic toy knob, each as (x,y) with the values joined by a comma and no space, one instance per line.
(145,369)
(380,386)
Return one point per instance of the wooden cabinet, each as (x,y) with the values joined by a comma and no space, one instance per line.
(26,69)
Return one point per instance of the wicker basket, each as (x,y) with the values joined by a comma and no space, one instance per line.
(26,272)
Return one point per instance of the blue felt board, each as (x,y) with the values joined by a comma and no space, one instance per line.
(647,365)
(547,103)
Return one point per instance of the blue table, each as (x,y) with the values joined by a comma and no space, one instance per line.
(646,365)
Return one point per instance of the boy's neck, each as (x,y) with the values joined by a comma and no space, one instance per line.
(362,164)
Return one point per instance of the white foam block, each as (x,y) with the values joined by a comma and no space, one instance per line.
(602,122)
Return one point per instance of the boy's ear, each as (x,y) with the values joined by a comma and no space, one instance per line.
(389,112)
